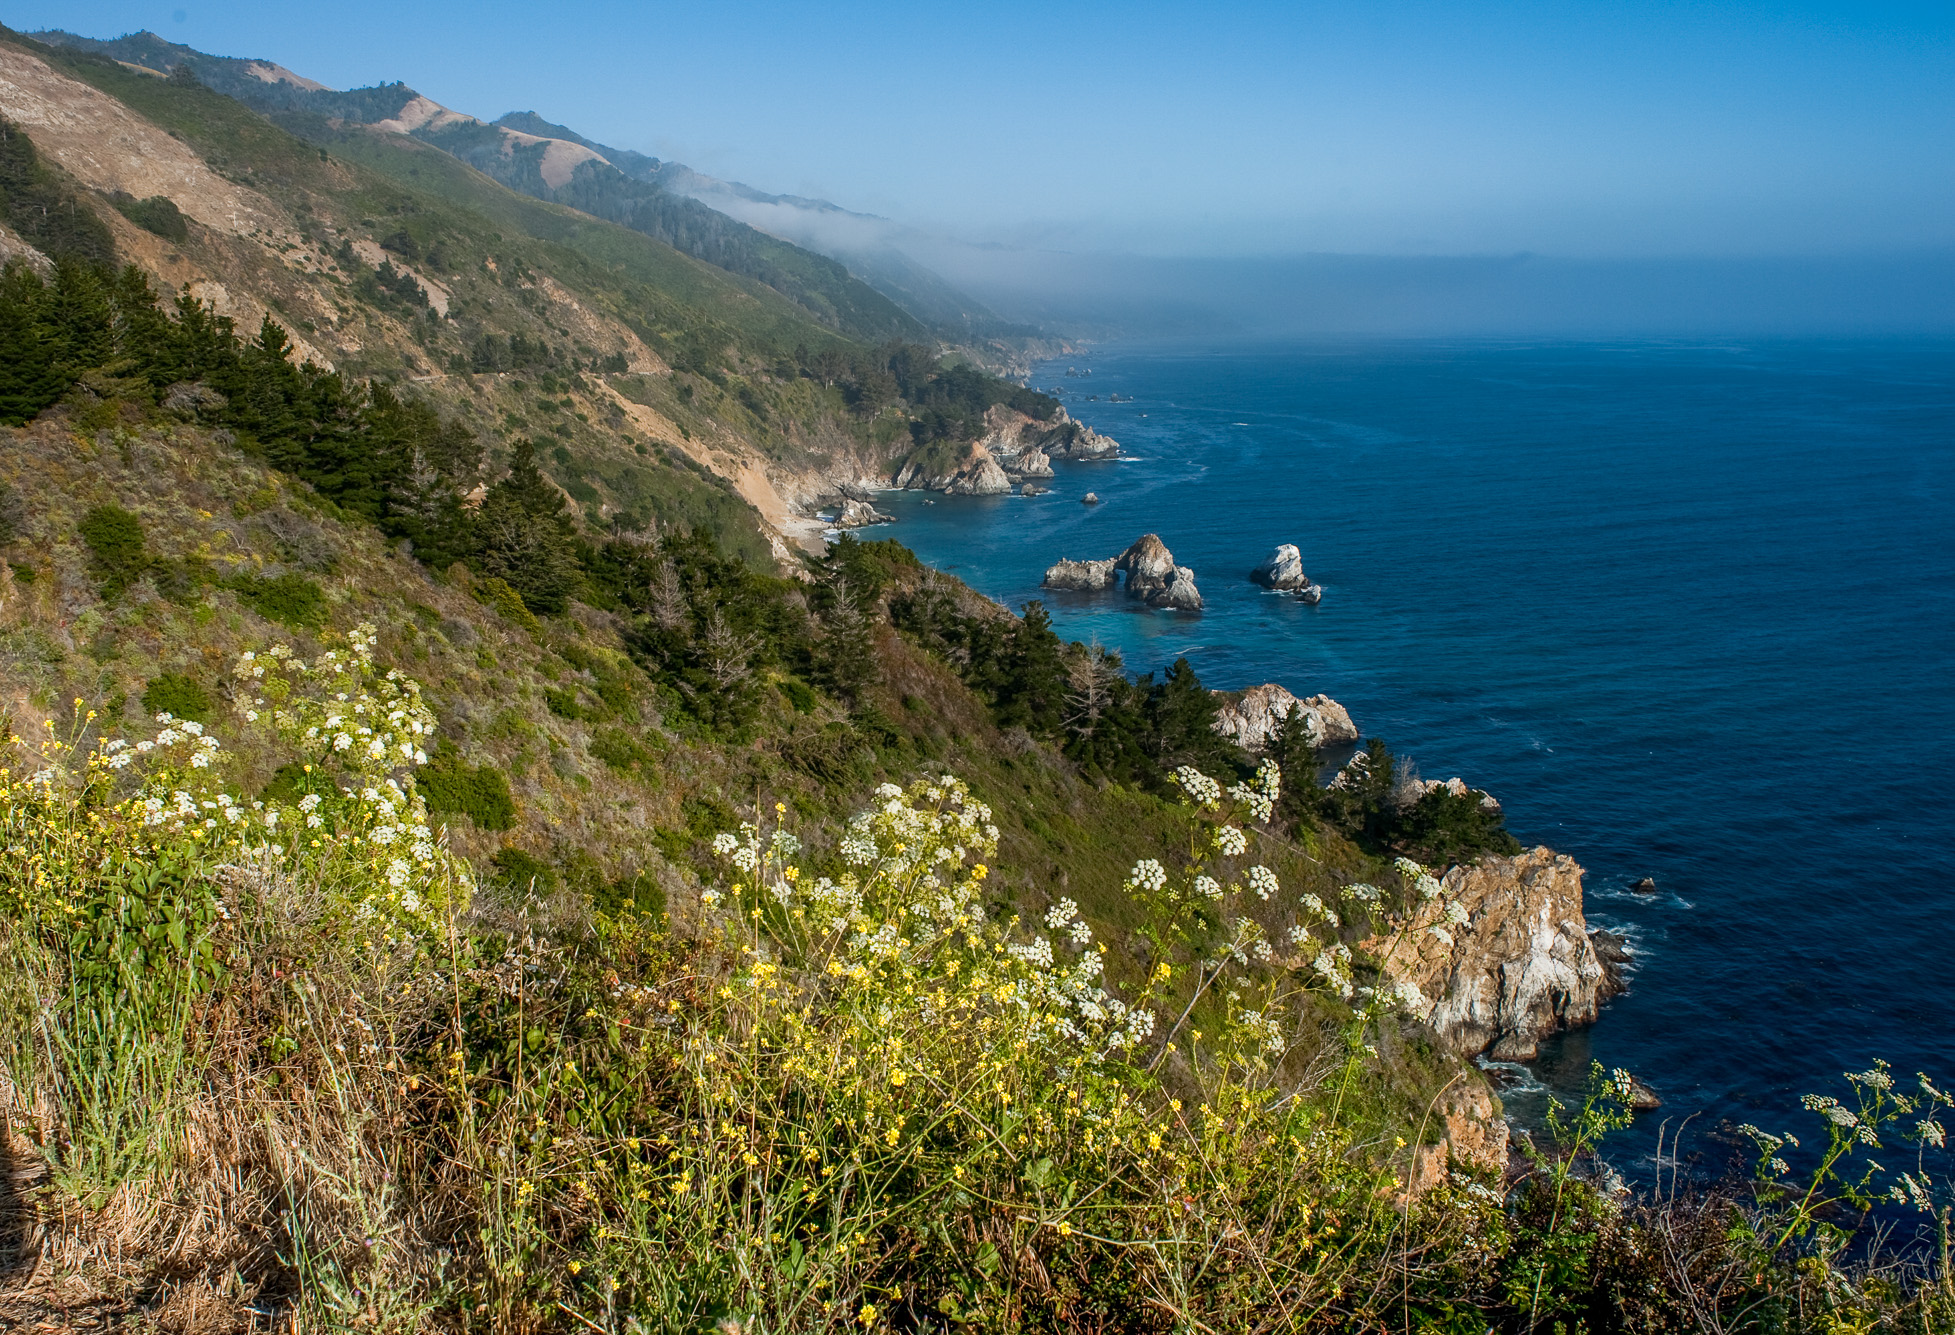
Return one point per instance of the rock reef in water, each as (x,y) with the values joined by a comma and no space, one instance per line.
(860,514)
(1250,719)
(1520,968)
(1282,569)
(1152,576)
(1080,576)
(1013,449)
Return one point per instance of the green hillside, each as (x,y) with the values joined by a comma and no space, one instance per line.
(822,288)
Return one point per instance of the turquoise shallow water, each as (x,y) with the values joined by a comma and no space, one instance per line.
(1687,608)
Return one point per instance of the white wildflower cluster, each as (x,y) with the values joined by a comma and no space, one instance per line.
(1262,881)
(1148,876)
(1203,791)
(1879,1077)
(340,707)
(1768,1146)
(909,905)
(1208,887)
(1265,1031)
(1913,1191)
(1362,891)
(1259,797)
(1230,842)
(1829,1108)
(1420,879)
(1064,917)
(1407,994)
(1333,965)
(359,824)
(180,742)
(1318,907)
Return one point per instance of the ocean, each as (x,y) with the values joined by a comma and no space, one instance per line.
(1686,608)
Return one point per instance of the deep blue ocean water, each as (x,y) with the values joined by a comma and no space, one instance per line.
(1688,609)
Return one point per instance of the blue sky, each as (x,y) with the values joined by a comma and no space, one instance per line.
(1574,129)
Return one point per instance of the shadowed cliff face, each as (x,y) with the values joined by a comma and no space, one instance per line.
(1519,968)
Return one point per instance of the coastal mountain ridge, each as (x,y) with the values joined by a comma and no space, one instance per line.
(891,298)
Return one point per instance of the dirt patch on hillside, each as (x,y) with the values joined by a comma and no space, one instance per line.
(107,147)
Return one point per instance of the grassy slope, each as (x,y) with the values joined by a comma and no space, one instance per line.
(487,679)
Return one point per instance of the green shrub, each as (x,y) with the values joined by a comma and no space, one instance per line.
(508,604)
(174,693)
(623,752)
(291,600)
(158,214)
(519,871)
(799,694)
(451,787)
(117,552)
(639,896)
(565,704)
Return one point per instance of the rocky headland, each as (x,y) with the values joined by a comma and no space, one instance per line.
(1523,964)
(1250,718)
(1015,449)
(1152,577)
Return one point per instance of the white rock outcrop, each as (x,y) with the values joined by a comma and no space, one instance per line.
(1250,719)
(1080,576)
(1519,968)
(859,514)
(1281,569)
(1013,449)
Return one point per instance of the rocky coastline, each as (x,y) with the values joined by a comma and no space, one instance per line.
(1500,960)
(1015,451)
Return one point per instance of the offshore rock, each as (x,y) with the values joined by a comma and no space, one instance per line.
(1282,569)
(1311,594)
(1521,967)
(1181,595)
(860,514)
(1090,498)
(1154,578)
(1251,718)
(1084,576)
(1148,566)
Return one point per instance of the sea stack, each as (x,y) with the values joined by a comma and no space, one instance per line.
(1283,569)
(1152,576)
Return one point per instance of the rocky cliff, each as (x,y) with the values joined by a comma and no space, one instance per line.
(1250,718)
(1013,450)
(1502,959)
